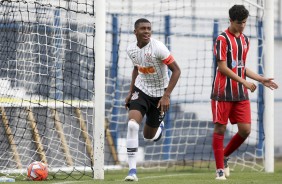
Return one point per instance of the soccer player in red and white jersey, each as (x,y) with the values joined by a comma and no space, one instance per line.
(150,89)
(229,95)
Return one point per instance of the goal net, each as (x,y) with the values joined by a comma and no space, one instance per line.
(189,29)
(47,84)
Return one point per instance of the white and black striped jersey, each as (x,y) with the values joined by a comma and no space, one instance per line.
(151,61)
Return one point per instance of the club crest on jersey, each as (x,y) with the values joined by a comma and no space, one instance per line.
(135,95)
(245,46)
(233,64)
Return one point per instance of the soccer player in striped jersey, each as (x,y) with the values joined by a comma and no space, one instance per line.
(150,89)
(229,96)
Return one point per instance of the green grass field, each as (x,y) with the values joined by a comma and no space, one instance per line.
(193,176)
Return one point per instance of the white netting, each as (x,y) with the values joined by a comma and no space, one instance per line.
(188,28)
(47,77)
(47,85)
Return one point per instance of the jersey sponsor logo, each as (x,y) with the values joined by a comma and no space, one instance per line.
(135,95)
(146,70)
(233,64)
(240,64)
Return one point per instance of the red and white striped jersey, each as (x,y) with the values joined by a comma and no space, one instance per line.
(233,50)
(151,61)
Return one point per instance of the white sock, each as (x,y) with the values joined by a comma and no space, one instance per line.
(132,143)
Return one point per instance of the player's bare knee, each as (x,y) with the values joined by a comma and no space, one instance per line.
(244,133)
(219,128)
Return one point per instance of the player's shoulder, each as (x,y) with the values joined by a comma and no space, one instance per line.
(155,41)
(245,36)
(156,44)
(131,46)
(222,36)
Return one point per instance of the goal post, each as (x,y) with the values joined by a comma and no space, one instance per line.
(269,94)
(99,123)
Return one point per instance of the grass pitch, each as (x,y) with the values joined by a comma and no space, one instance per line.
(187,176)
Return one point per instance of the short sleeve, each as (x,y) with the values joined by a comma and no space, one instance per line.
(220,48)
(164,54)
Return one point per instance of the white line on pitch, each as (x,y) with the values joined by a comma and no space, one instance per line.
(67,182)
(162,176)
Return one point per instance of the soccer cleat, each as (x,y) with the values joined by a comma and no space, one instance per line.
(162,128)
(226,167)
(220,174)
(131,175)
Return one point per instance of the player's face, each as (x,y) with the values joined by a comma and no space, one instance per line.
(238,26)
(143,33)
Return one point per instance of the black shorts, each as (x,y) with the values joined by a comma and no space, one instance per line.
(146,105)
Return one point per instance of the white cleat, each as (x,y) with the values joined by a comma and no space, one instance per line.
(226,167)
(220,174)
(131,176)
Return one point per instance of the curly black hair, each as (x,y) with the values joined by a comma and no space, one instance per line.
(238,12)
(141,20)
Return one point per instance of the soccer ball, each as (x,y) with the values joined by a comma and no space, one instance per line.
(37,171)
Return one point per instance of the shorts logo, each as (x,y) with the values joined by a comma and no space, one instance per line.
(135,95)
(161,116)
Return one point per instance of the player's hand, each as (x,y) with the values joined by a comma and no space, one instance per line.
(249,85)
(268,82)
(127,99)
(163,104)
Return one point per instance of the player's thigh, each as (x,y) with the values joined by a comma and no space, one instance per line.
(138,106)
(241,112)
(221,111)
(153,120)
(136,115)
(154,116)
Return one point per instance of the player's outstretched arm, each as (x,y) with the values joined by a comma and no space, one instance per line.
(268,82)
